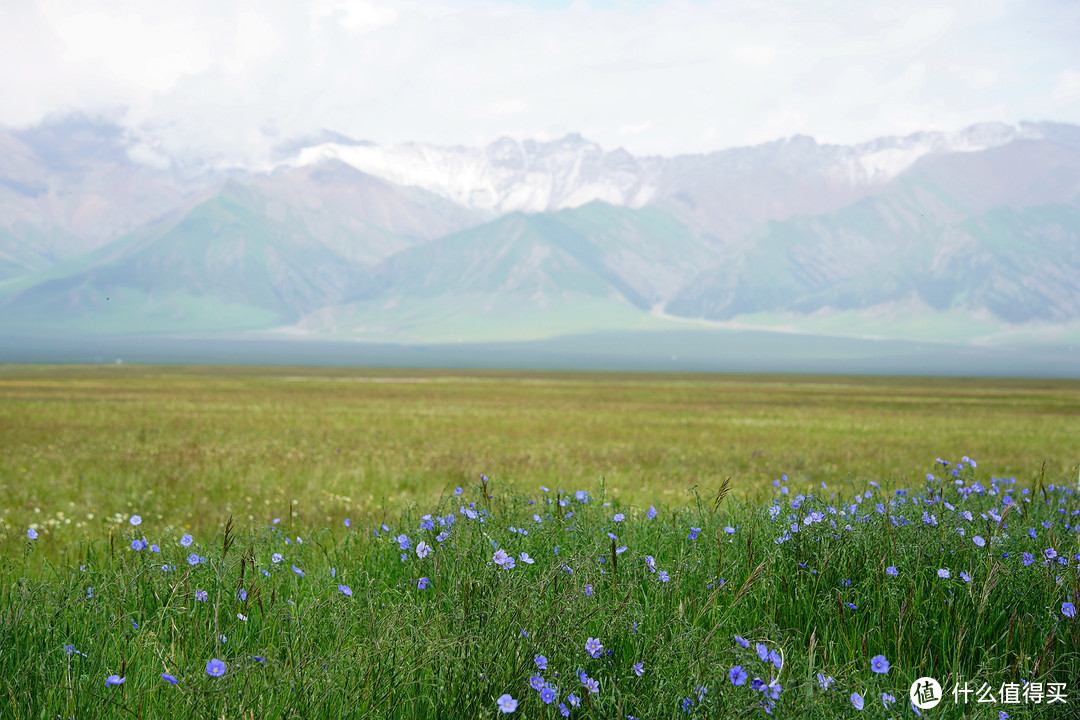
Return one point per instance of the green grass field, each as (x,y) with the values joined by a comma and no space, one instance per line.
(196,444)
(813,586)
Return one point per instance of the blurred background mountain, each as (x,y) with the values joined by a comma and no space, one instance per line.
(969,238)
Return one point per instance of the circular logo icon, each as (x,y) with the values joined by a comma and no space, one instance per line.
(925,693)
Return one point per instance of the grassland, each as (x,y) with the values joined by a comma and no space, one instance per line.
(367,572)
(196,444)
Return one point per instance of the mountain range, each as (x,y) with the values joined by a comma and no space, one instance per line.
(965,237)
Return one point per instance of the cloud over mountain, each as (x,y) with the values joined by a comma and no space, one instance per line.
(201,82)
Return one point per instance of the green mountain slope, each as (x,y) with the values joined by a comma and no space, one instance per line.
(1021,265)
(524,276)
(359,216)
(943,238)
(253,256)
(598,249)
(19,255)
(223,265)
(1008,265)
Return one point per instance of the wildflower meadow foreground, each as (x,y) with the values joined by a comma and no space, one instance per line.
(564,603)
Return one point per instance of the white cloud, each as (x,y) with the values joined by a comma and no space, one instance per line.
(256,41)
(781,122)
(147,50)
(357,16)
(146,155)
(975,77)
(759,55)
(1067,86)
(634,129)
(507,107)
(918,27)
(226,81)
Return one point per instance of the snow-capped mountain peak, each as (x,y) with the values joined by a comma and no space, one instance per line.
(536,176)
(506,176)
(883,159)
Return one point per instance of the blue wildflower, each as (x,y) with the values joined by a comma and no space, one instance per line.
(879,664)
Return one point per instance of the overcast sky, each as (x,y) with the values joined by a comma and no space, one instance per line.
(227,80)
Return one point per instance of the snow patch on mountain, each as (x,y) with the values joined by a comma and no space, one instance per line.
(530,176)
(506,176)
(883,159)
